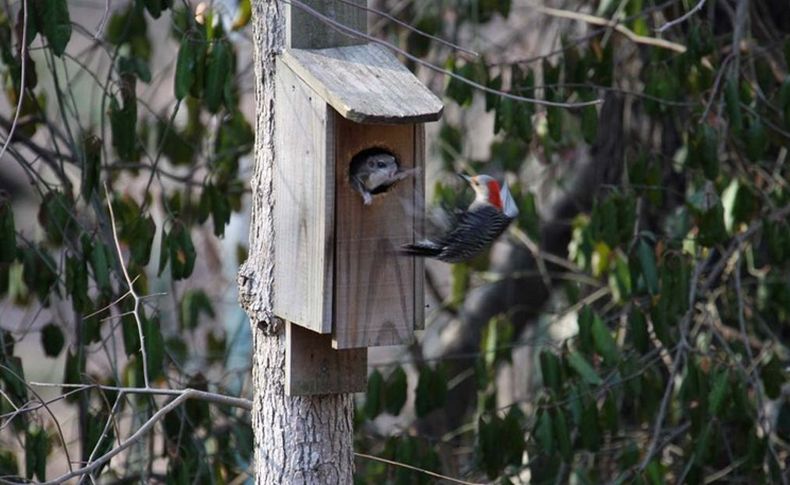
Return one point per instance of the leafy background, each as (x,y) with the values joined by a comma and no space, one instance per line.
(631,327)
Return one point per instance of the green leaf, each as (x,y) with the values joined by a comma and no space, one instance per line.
(489,435)
(100,263)
(708,151)
(36,451)
(77,283)
(182,252)
(140,238)
(457,90)
(52,339)
(512,440)
(129,331)
(585,321)
(431,392)
(583,368)
(40,272)
(395,391)
(73,370)
(55,216)
(7,232)
(154,345)
(550,369)
(218,66)
(123,122)
(562,434)
(544,433)
(773,377)
(647,260)
(14,378)
(718,392)
(732,104)
(604,342)
(8,464)
(91,173)
(194,303)
(374,395)
(589,118)
(756,140)
(589,429)
(186,67)
(637,331)
(56,25)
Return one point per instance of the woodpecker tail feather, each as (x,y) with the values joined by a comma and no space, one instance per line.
(427,249)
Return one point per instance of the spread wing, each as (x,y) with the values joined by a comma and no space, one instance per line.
(474,231)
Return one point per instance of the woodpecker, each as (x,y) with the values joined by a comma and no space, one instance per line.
(374,171)
(475,229)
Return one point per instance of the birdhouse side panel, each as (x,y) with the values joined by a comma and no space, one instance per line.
(303,204)
(375,286)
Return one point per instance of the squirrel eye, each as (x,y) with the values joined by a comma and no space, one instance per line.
(382,165)
(371,163)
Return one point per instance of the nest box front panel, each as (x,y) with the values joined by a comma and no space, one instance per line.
(378,292)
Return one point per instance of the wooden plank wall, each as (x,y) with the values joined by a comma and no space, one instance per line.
(303,212)
(312,366)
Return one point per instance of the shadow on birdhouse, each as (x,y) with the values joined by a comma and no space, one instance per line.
(339,281)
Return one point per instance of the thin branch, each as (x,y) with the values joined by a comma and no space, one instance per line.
(46,406)
(410,467)
(134,438)
(682,18)
(616,26)
(410,27)
(22,60)
(133,293)
(355,33)
(196,394)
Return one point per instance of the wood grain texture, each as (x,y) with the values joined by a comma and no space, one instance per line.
(374,285)
(303,216)
(312,366)
(305,31)
(365,83)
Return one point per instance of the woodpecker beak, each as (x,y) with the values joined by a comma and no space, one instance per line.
(465,177)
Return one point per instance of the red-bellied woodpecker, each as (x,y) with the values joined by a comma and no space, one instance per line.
(374,171)
(475,229)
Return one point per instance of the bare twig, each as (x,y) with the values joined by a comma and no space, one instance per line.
(682,18)
(411,467)
(100,29)
(410,27)
(130,283)
(617,27)
(46,406)
(355,33)
(22,60)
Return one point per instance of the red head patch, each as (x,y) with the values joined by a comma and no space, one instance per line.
(493,194)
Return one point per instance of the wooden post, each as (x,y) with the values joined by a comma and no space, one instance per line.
(300,439)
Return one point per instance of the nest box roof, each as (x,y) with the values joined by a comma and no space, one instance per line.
(365,83)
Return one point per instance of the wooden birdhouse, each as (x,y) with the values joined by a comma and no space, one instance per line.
(338,272)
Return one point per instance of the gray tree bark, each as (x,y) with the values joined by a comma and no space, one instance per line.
(297,439)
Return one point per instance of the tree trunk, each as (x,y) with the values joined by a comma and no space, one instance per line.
(297,439)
